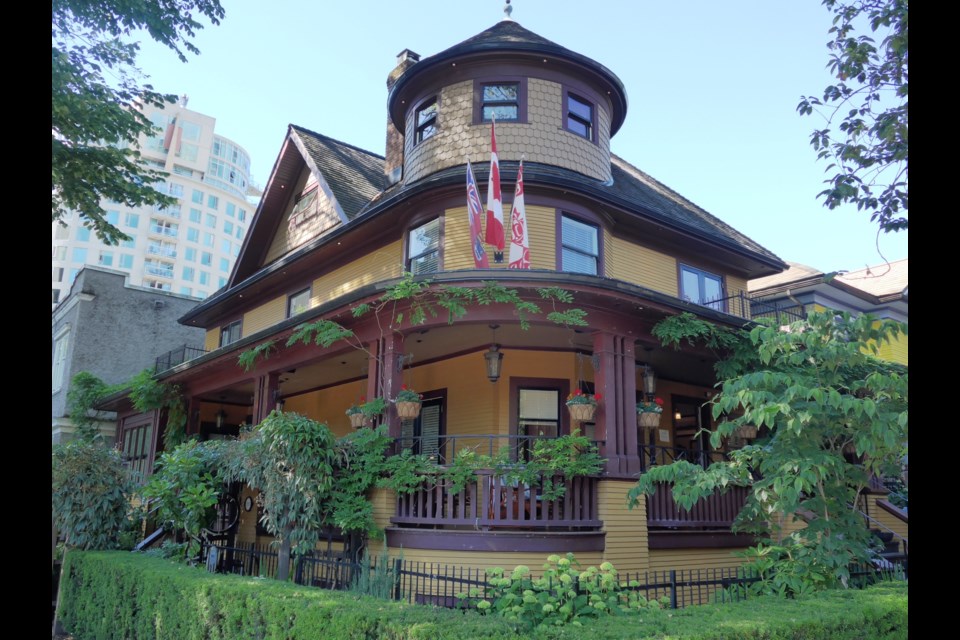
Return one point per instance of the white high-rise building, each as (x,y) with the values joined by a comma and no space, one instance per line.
(188,248)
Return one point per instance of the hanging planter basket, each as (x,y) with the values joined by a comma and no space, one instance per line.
(357,420)
(648,419)
(408,410)
(582,412)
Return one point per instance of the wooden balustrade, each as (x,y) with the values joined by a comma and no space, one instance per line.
(716,511)
(491,501)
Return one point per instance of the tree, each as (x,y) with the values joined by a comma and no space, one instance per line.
(865,137)
(814,390)
(96,123)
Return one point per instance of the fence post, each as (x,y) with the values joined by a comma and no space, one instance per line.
(673,588)
(298,570)
(397,568)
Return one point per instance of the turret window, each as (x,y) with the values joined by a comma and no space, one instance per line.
(501,101)
(427,120)
(580,114)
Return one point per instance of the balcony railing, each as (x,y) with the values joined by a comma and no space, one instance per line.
(177,356)
(163,231)
(492,501)
(162,251)
(714,512)
(746,307)
(160,272)
(444,448)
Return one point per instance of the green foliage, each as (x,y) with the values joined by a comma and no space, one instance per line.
(562,595)
(248,359)
(86,390)
(91,492)
(360,461)
(148,394)
(94,128)
(185,488)
(379,580)
(320,332)
(865,137)
(113,595)
(373,408)
(816,388)
(407,472)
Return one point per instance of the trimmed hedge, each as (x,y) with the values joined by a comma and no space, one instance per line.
(108,594)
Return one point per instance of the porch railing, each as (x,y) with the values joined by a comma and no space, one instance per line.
(714,512)
(656,455)
(492,501)
(744,306)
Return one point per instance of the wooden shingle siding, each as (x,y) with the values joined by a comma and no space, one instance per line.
(382,264)
(266,315)
(640,265)
(286,240)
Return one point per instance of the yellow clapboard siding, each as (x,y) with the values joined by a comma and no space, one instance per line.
(895,350)
(643,266)
(382,264)
(212,339)
(264,316)
(625,545)
(328,405)
(458,253)
(887,519)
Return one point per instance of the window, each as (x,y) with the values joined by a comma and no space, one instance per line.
(106,258)
(163,227)
(580,247)
(208,239)
(83,234)
(501,101)
(239,232)
(113,217)
(221,282)
(158,268)
(132,220)
(211,221)
(156,284)
(126,261)
(186,291)
(193,234)
(190,254)
(201,294)
(426,120)
(60,356)
(79,254)
(188,274)
(230,333)
(206,258)
(197,196)
(195,215)
(225,265)
(224,246)
(213,201)
(701,287)
(241,214)
(298,302)
(61,232)
(56,295)
(58,274)
(423,248)
(59,253)
(204,277)
(231,210)
(228,227)
(579,116)
(174,189)
(128,244)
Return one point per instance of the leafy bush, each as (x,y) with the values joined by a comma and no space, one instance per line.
(112,595)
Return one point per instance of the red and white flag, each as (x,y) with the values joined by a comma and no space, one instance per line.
(519,239)
(474,211)
(494,234)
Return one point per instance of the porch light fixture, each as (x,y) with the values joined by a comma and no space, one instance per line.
(678,416)
(494,357)
(649,382)
(221,416)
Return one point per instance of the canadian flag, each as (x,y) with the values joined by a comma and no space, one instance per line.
(494,233)
(519,239)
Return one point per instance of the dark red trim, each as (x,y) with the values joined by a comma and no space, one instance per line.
(698,540)
(560,384)
(586,217)
(594,117)
(502,541)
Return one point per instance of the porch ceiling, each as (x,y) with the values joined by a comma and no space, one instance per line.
(429,345)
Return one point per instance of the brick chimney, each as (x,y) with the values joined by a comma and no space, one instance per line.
(393,166)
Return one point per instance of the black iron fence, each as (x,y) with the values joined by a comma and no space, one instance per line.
(177,356)
(454,586)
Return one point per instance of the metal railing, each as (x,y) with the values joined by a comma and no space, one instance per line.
(444,448)
(741,304)
(177,356)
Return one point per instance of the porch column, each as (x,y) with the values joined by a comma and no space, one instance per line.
(264,400)
(616,420)
(391,378)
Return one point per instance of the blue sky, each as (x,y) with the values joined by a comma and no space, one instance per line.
(712,91)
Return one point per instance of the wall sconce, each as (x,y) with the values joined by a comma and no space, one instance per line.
(221,416)
(649,382)
(494,357)
(678,416)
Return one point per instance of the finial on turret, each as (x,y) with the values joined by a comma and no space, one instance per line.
(507,10)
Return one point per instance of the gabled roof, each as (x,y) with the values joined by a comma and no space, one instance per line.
(878,284)
(883,280)
(508,36)
(354,176)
